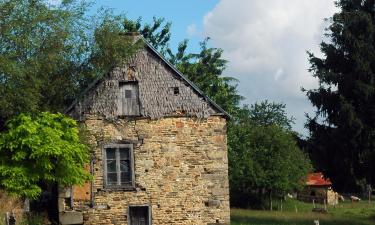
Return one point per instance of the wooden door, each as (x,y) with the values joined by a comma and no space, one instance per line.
(139,216)
(129,101)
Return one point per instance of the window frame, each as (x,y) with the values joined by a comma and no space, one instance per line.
(130,186)
(148,206)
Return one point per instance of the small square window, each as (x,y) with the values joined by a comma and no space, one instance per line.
(128,93)
(176,91)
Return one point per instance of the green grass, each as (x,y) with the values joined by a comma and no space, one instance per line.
(346,213)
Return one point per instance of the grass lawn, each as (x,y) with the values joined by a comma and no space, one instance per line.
(346,213)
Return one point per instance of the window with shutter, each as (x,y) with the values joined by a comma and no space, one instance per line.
(139,215)
(119,169)
(128,104)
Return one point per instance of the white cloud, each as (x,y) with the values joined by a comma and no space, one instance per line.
(266,42)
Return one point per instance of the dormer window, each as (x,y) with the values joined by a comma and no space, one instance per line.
(128,104)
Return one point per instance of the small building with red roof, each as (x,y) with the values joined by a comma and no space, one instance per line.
(318,189)
(317,180)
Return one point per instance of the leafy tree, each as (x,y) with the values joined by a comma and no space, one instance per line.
(48,54)
(270,113)
(342,133)
(157,34)
(263,153)
(43,149)
(205,68)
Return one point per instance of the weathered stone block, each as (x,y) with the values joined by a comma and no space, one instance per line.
(64,192)
(68,218)
(61,204)
(212,203)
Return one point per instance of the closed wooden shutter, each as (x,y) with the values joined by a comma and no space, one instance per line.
(129,100)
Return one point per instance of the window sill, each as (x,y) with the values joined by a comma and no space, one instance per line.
(119,188)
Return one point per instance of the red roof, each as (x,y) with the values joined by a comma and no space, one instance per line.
(317,179)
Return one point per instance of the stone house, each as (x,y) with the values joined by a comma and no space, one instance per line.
(318,189)
(159,148)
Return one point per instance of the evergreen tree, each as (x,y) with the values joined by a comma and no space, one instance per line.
(342,133)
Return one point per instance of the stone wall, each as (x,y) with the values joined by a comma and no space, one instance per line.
(316,193)
(181,171)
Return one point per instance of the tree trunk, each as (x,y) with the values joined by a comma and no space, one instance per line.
(270,197)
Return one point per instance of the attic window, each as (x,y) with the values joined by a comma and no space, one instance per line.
(176,91)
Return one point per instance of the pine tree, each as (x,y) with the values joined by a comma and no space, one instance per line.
(342,133)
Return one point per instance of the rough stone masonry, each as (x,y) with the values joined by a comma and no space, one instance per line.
(179,150)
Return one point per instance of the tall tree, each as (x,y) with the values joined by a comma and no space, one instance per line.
(263,154)
(342,133)
(48,54)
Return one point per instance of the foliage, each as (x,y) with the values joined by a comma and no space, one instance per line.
(41,149)
(33,219)
(204,68)
(157,34)
(48,54)
(262,148)
(342,133)
(270,113)
(264,156)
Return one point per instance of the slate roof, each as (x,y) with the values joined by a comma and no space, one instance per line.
(195,87)
(173,68)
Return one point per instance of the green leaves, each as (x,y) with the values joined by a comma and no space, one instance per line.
(49,55)
(263,153)
(343,127)
(41,149)
(204,68)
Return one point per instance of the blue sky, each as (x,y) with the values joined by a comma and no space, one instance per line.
(182,14)
(265,41)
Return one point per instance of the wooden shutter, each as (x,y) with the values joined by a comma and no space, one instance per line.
(139,215)
(129,100)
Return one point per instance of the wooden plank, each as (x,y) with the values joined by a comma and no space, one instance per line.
(129,101)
